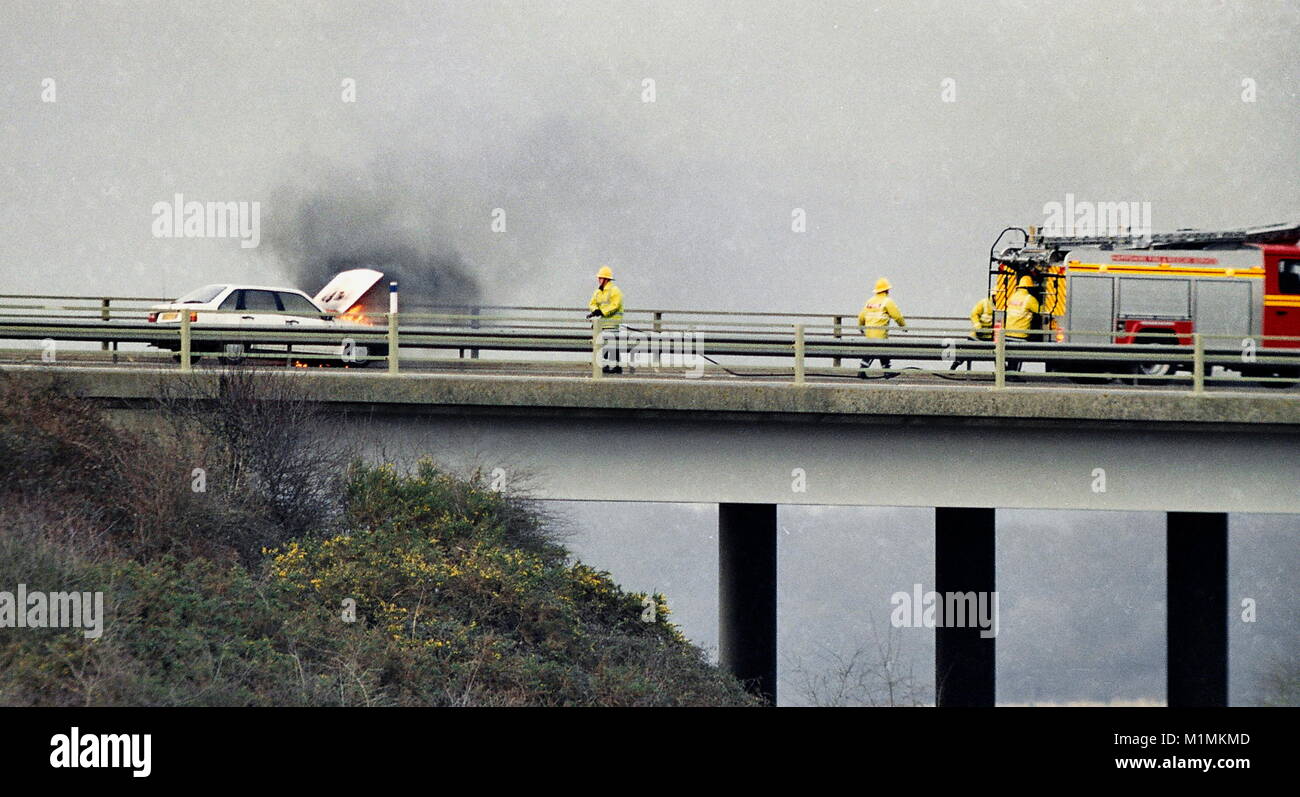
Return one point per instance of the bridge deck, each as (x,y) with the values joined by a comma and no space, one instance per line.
(767,442)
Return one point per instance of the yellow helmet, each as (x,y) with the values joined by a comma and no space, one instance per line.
(605,273)
(882,284)
(1025,282)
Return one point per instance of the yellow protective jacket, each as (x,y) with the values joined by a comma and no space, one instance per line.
(1021,310)
(875,315)
(609,301)
(981,318)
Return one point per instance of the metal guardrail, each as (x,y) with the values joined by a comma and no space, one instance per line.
(798,338)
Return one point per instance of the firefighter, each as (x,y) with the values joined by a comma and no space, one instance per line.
(874,321)
(981,320)
(607,305)
(1022,309)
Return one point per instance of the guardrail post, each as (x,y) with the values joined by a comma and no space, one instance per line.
(186,365)
(654,356)
(838,320)
(473,353)
(1198,363)
(999,357)
(798,354)
(106,314)
(392,328)
(103,316)
(392,343)
(595,348)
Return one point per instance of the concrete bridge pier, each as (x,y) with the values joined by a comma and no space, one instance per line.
(1196,600)
(964,661)
(747,594)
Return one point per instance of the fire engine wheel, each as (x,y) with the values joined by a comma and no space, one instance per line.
(1150,373)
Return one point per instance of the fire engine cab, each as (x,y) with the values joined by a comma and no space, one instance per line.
(1227,285)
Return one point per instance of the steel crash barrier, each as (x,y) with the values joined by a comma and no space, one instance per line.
(799,347)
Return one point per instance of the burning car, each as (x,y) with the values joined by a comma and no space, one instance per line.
(250,307)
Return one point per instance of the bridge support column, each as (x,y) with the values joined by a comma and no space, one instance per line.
(747,594)
(964,562)
(1197,604)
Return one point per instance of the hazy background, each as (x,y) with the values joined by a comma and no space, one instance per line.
(760,108)
(1082,594)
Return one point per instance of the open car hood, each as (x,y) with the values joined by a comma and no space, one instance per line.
(347,288)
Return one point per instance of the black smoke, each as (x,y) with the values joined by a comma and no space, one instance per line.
(348,222)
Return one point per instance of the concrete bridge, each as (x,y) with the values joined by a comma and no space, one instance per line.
(750,446)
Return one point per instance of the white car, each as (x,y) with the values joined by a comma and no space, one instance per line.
(235,306)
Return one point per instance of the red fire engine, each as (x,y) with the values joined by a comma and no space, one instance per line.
(1230,286)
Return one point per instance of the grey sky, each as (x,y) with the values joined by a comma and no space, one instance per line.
(536,108)
(760,108)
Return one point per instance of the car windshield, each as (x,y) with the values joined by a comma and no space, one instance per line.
(202,296)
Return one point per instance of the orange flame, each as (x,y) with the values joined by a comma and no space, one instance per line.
(356,315)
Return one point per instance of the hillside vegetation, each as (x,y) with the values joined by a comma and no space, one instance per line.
(244,564)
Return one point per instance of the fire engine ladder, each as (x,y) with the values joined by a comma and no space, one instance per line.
(1045,248)
(1180,239)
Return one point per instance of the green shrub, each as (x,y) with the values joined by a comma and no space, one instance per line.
(462,595)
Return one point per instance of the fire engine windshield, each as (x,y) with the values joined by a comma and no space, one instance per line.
(1288,276)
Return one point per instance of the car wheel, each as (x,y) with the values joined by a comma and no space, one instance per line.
(374,354)
(232,354)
